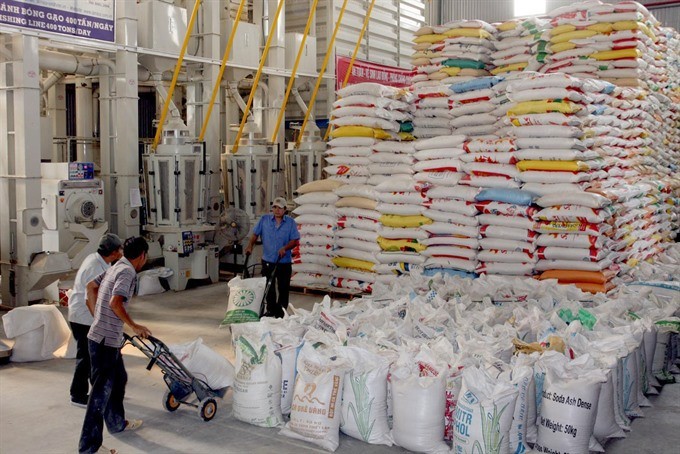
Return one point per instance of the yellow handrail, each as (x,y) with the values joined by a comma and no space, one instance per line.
(354,56)
(225,57)
(256,81)
(294,71)
(175,75)
(321,73)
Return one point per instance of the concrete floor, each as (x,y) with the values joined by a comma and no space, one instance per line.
(36,417)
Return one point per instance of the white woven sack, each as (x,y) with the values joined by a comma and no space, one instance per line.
(257,383)
(316,408)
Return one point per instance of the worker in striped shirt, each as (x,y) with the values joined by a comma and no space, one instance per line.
(112,292)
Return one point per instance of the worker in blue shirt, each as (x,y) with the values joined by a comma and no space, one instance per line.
(279,236)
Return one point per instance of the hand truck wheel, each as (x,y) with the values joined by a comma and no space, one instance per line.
(170,403)
(207,409)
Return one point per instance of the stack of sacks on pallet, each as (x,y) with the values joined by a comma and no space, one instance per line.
(518,46)
(367,111)
(356,237)
(316,221)
(472,111)
(614,42)
(506,227)
(582,254)
(451,233)
(446,54)
(402,202)
(553,153)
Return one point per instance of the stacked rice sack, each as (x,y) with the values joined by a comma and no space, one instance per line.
(549,123)
(451,229)
(518,46)
(364,114)
(446,54)
(471,108)
(613,42)
(356,237)
(507,232)
(402,202)
(316,221)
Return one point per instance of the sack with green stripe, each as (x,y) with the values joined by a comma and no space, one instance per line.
(245,300)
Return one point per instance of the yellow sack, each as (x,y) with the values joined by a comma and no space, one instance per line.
(566,28)
(561,47)
(403,245)
(431,39)
(616,54)
(634,25)
(395,220)
(360,131)
(450,71)
(467,32)
(576,34)
(565,166)
(346,262)
(406,136)
(531,107)
(508,68)
(507,26)
(602,27)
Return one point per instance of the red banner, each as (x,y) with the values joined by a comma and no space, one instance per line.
(365,71)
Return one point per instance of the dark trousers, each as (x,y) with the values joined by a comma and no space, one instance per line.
(80,384)
(281,282)
(106,397)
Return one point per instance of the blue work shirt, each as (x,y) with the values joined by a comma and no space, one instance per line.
(275,237)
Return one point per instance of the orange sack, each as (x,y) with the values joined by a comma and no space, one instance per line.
(576,276)
(594,288)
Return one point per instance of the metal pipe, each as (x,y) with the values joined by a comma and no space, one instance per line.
(354,55)
(256,81)
(52,80)
(323,70)
(175,75)
(291,81)
(225,57)
(72,64)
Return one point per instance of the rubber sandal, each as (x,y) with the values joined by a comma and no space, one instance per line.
(132,424)
(105,450)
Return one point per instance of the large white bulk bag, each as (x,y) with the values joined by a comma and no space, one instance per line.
(484,413)
(570,397)
(419,407)
(364,397)
(204,363)
(315,412)
(38,331)
(257,384)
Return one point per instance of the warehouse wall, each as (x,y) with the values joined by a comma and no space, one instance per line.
(668,13)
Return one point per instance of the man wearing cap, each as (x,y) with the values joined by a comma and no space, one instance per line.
(80,315)
(279,236)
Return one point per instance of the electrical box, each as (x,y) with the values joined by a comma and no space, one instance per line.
(246,48)
(308,58)
(161,26)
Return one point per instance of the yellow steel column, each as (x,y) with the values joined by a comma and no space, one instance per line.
(321,72)
(294,71)
(256,81)
(225,57)
(175,75)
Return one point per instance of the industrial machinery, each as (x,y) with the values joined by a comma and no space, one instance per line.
(176,182)
(305,163)
(73,210)
(251,174)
